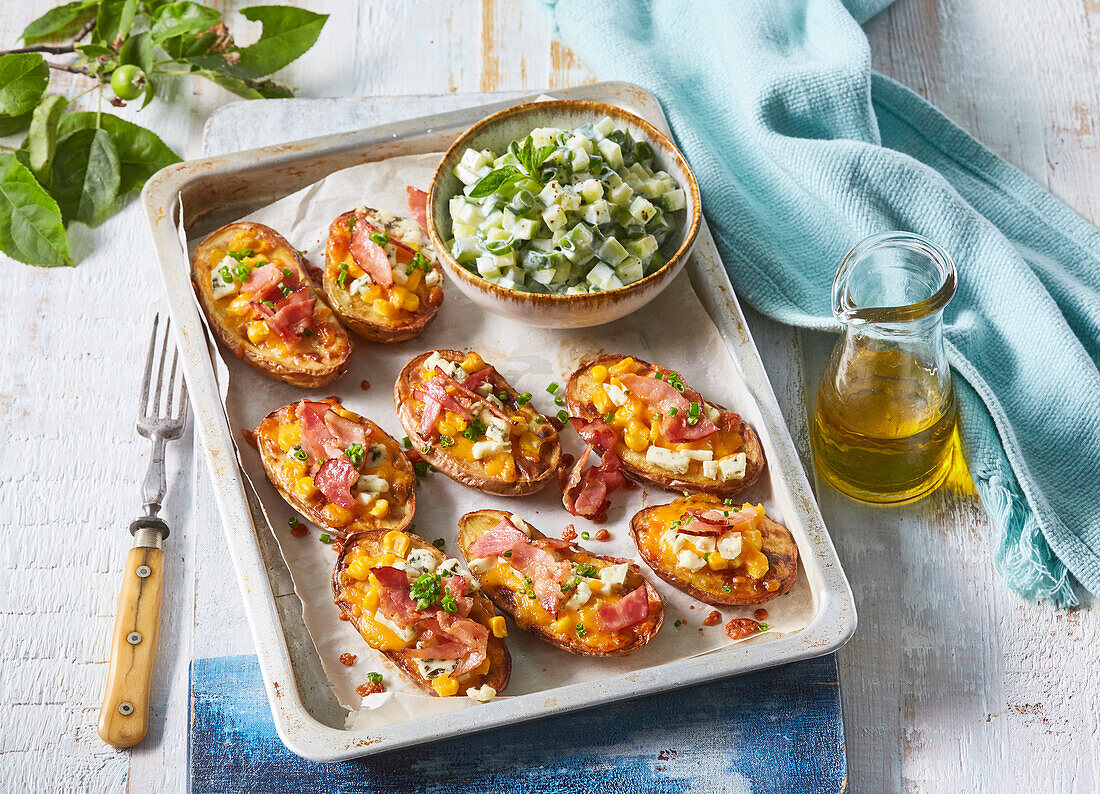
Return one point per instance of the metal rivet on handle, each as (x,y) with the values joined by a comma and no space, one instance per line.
(134,637)
(125,708)
(144,571)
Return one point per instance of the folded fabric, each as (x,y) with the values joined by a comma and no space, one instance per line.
(801,151)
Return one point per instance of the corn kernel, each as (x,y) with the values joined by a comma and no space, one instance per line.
(498,626)
(380,508)
(371,293)
(624,367)
(494,467)
(595,585)
(239,306)
(445,685)
(655,432)
(716,562)
(561,625)
(385,308)
(304,488)
(410,302)
(473,362)
(295,468)
(398,543)
(413,281)
(336,516)
(354,271)
(598,373)
(398,295)
(289,436)
(636,436)
(359,569)
(502,466)
(601,401)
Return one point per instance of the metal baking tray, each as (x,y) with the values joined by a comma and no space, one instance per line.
(202,194)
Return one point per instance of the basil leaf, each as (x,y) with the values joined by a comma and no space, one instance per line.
(42,138)
(57,21)
(31,230)
(140,152)
(494,180)
(180,18)
(113,22)
(23,79)
(85,176)
(287,34)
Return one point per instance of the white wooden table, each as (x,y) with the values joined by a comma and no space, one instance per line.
(951,683)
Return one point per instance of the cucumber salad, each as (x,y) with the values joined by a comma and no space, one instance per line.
(564,212)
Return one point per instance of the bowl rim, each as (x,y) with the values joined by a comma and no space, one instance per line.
(606,109)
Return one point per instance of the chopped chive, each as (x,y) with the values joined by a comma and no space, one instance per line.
(585,535)
(241,254)
(374,678)
(607,417)
(727,501)
(581,630)
(287,271)
(563,415)
(524,398)
(380,238)
(507,554)
(446,441)
(673,411)
(307,332)
(763,626)
(727,588)
(439,543)
(538,420)
(559,400)
(292,522)
(325,538)
(678,623)
(552,388)
(406,443)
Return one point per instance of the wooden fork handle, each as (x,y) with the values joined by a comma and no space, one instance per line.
(124,716)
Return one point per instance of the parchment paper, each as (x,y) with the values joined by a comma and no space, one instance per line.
(673,330)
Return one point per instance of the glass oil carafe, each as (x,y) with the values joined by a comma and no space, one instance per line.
(884,418)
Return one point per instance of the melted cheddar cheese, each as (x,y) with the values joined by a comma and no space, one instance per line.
(639,424)
(454,435)
(413,281)
(360,589)
(372,508)
(661,544)
(578,626)
(237,313)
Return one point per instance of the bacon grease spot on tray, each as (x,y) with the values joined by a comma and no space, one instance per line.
(740,628)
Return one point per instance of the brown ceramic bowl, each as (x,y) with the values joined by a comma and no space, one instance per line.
(561,311)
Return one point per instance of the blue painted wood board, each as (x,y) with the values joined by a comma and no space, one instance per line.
(778,730)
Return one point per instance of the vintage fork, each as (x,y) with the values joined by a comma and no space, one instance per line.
(124,715)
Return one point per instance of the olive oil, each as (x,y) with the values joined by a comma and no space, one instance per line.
(884,426)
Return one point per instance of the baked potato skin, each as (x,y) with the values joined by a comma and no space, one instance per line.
(472,526)
(707,586)
(458,470)
(271,454)
(358,317)
(500,661)
(297,371)
(578,391)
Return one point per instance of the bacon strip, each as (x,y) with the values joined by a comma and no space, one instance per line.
(473,395)
(597,432)
(290,316)
(545,570)
(394,600)
(630,610)
(586,490)
(418,207)
(335,478)
(713,522)
(368,254)
(662,396)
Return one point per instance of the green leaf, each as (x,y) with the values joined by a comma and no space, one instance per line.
(494,180)
(138,50)
(54,23)
(94,50)
(287,34)
(181,18)
(140,152)
(31,230)
(249,89)
(113,22)
(23,79)
(42,138)
(9,125)
(85,176)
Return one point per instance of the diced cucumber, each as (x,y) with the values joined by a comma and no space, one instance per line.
(676,200)
(467,176)
(604,126)
(644,247)
(544,276)
(621,194)
(541,244)
(630,269)
(612,251)
(474,159)
(554,217)
(465,249)
(524,228)
(551,193)
(492,220)
(642,209)
(591,190)
(599,275)
(579,159)
(487,266)
(612,153)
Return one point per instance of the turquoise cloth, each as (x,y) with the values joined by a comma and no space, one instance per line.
(801,151)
